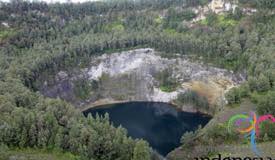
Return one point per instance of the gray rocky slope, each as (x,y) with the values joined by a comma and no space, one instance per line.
(131,76)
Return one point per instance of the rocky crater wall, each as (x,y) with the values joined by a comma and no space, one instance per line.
(137,75)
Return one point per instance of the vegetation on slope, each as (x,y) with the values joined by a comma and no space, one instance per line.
(166,82)
(34,154)
(193,98)
(51,37)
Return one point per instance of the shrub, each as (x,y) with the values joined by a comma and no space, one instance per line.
(166,81)
(261,84)
(267,131)
(193,98)
(82,88)
(187,138)
(188,14)
(266,104)
(235,95)
(219,134)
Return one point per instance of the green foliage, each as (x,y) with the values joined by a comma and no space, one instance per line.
(5,33)
(54,124)
(114,27)
(222,21)
(37,154)
(166,82)
(211,18)
(267,131)
(248,3)
(188,15)
(261,84)
(266,104)
(225,21)
(175,18)
(235,95)
(170,31)
(218,134)
(193,98)
(51,37)
(169,88)
(265,4)
(196,2)
(141,151)
(238,14)
(188,138)
(83,88)
(159,20)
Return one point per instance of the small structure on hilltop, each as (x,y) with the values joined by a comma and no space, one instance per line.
(220,6)
(216,6)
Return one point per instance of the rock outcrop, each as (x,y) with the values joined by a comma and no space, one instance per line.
(131,76)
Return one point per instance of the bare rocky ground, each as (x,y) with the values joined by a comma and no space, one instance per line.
(130,76)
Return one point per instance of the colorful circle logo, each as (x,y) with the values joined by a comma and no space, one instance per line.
(249,124)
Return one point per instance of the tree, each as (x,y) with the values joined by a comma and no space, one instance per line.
(265,8)
(211,18)
(266,4)
(188,15)
(193,98)
(266,104)
(47,38)
(252,83)
(233,96)
(188,138)
(7,103)
(238,13)
(263,84)
(203,2)
(271,76)
(141,151)
(236,94)
(267,131)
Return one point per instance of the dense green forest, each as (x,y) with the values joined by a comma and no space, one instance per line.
(44,37)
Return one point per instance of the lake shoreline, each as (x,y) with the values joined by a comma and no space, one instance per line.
(103,102)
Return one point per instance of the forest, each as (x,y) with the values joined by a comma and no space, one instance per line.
(36,37)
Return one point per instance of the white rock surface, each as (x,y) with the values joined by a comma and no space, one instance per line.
(124,62)
(142,64)
(160,96)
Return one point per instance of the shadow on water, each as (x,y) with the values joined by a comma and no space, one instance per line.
(158,123)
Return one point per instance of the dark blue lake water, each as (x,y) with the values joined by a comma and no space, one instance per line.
(158,123)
